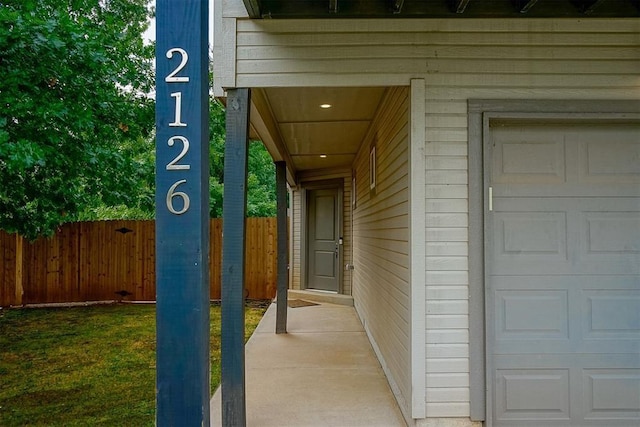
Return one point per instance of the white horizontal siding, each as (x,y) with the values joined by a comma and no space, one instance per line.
(447,263)
(447,409)
(447,234)
(448,321)
(440,352)
(380,242)
(447,307)
(500,54)
(447,364)
(448,380)
(440,278)
(447,220)
(447,292)
(459,248)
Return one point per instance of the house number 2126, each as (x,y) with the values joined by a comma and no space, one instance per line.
(178,141)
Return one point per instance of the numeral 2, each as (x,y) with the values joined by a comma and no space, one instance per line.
(172,78)
(173,164)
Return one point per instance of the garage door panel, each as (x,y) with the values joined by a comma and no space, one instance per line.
(544,315)
(566,235)
(609,241)
(612,314)
(532,394)
(611,393)
(532,314)
(613,232)
(543,394)
(522,160)
(563,274)
(606,156)
(540,233)
(526,239)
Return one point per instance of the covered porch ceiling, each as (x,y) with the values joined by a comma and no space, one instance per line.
(317,128)
(277,9)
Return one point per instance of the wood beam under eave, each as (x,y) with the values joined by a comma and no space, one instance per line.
(397,6)
(590,9)
(462,5)
(528,6)
(253,8)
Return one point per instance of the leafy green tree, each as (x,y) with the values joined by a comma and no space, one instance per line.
(73,104)
(261,185)
(139,201)
(261,177)
(261,180)
(217,135)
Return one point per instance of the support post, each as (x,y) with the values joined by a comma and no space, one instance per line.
(234,208)
(283,252)
(19,269)
(182,213)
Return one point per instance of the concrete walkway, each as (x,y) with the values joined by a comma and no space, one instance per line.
(322,373)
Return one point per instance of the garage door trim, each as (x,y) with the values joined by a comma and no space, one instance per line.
(481,112)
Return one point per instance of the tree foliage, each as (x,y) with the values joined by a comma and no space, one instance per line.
(261,179)
(73,106)
(76,121)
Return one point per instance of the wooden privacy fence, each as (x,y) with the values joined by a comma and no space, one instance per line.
(107,260)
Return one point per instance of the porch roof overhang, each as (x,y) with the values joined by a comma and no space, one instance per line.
(279,9)
(297,131)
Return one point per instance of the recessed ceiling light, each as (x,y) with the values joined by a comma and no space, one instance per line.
(325,106)
(323,156)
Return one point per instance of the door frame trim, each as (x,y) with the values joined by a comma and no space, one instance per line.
(337,184)
(480,112)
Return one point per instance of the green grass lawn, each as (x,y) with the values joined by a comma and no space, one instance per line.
(86,366)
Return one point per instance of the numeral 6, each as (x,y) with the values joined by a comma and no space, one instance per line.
(172,193)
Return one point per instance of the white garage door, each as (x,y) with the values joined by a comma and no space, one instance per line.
(563,274)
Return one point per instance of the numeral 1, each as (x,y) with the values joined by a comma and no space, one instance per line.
(177,122)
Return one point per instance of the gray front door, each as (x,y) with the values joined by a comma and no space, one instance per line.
(323,235)
(563,274)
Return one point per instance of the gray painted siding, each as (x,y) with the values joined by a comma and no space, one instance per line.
(380,232)
(296,224)
(459,60)
(510,56)
(447,291)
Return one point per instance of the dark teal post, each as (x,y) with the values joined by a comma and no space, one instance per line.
(283,248)
(182,213)
(234,209)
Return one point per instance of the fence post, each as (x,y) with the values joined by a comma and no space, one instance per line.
(19,286)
